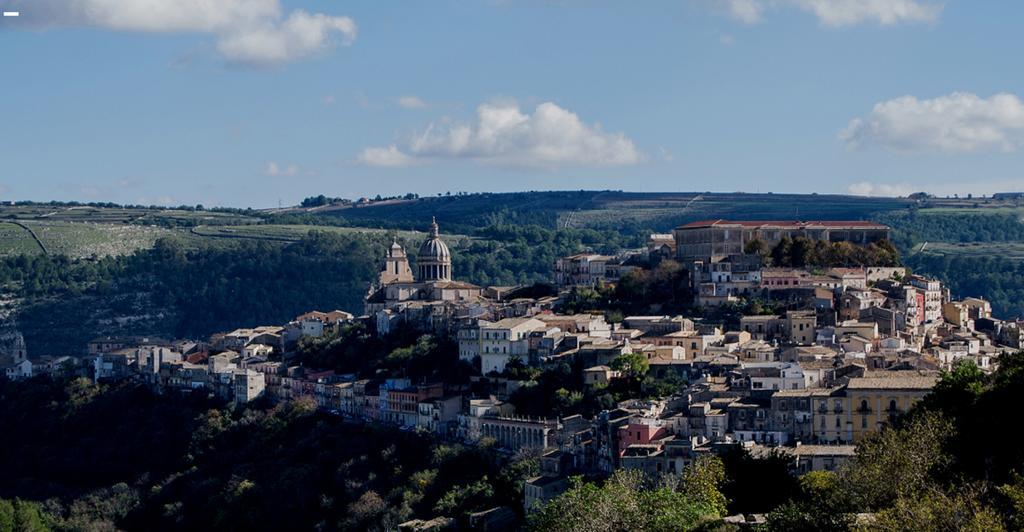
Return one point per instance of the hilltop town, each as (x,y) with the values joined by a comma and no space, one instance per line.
(793,337)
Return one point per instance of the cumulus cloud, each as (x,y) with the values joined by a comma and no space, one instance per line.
(165,201)
(958,122)
(503,134)
(254,32)
(747,11)
(300,35)
(867,188)
(412,102)
(840,12)
(274,169)
(884,12)
(390,156)
(961,187)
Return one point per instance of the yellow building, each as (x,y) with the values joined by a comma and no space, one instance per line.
(867,404)
(877,401)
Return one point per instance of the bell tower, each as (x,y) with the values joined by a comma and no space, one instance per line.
(396,266)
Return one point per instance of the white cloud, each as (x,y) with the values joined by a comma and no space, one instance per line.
(300,35)
(959,122)
(254,32)
(867,188)
(274,169)
(961,187)
(884,12)
(159,200)
(747,11)
(505,135)
(840,12)
(412,102)
(390,156)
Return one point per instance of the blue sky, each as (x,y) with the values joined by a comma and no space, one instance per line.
(248,102)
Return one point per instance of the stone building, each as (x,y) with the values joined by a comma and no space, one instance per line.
(713,240)
(396,287)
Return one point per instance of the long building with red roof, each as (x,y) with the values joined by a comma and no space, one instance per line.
(713,240)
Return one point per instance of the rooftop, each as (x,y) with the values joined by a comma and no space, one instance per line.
(892,383)
(786,224)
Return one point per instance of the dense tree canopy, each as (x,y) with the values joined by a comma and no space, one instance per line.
(118,457)
(628,501)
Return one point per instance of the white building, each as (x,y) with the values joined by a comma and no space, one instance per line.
(505,339)
(248,385)
(470,340)
(14,361)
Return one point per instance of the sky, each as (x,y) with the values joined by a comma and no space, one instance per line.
(260,102)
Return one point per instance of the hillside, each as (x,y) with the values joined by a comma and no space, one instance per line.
(608,209)
(113,284)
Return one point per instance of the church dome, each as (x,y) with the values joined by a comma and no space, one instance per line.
(434,248)
(434,259)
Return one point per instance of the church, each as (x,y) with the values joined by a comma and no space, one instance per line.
(429,294)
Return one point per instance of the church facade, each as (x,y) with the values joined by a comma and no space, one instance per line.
(429,296)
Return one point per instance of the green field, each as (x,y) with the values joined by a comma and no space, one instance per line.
(293,233)
(1006,250)
(110,215)
(627,211)
(15,240)
(78,240)
(82,231)
(1018,212)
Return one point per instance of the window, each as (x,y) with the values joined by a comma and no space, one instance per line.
(838,423)
(864,422)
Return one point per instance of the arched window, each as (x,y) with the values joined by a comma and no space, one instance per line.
(864,405)
(892,405)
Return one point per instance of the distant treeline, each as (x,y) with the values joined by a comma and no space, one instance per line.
(249,211)
(912,228)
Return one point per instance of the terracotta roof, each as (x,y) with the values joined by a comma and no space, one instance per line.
(786,224)
(892,383)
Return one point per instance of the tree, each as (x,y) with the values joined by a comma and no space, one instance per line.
(628,501)
(781,252)
(957,390)
(898,464)
(632,365)
(755,247)
(819,506)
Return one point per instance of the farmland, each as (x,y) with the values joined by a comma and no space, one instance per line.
(1002,250)
(294,232)
(121,215)
(610,209)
